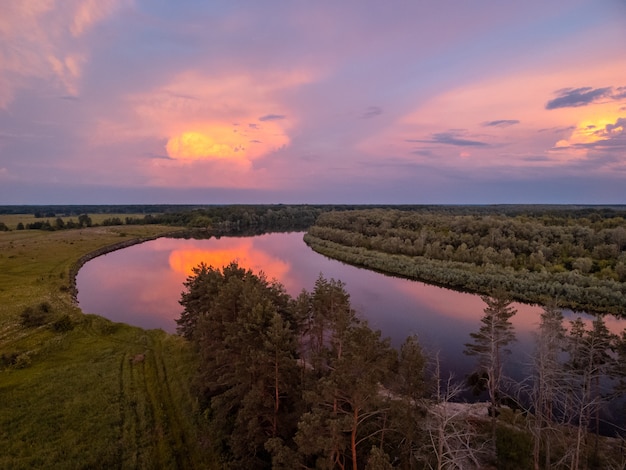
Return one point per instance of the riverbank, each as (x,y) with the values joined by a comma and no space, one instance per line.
(111,248)
(568,290)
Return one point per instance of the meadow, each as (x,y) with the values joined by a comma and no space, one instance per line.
(76,390)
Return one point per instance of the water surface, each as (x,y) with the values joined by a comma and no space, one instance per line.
(141,285)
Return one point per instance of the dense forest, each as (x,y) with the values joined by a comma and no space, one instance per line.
(304,383)
(574,257)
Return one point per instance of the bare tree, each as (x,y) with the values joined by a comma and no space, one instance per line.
(451,437)
(547,381)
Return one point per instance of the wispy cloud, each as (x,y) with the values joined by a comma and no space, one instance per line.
(43,40)
(272,117)
(501,123)
(557,130)
(620,93)
(450,138)
(575,97)
(371,112)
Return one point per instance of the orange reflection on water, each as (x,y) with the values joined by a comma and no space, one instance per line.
(241,251)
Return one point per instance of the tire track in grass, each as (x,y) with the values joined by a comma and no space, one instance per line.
(177,430)
(122,411)
(130,429)
(148,428)
(166,426)
(153,432)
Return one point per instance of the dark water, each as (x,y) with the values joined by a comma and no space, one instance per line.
(141,285)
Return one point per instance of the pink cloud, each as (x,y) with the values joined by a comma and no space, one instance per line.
(40,46)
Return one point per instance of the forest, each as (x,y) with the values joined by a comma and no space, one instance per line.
(305,383)
(573,257)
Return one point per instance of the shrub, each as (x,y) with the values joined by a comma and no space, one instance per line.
(32,317)
(8,359)
(63,324)
(514,449)
(22,361)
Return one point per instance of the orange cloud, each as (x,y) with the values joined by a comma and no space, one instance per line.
(224,140)
(593,127)
(217,116)
(197,145)
(243,252)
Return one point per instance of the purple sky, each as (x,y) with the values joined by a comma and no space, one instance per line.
(356,101)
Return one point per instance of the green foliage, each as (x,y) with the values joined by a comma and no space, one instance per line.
(63,324)
(571,255)
(112,221)
(269,353)
(489,345)
(265,410)
(84,220)
(298,382)
(378,460)
(514,449)
(240,324)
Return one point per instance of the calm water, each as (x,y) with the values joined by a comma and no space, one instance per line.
(141,285)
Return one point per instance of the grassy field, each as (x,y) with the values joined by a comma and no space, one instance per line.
(78,391)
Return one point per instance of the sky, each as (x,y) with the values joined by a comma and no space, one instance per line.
(294,101)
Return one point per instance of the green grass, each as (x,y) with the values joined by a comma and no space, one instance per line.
(99,395)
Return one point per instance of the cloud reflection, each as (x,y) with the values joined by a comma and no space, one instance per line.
(243,251)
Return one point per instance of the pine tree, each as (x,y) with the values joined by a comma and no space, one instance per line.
(589,360)
(248,372)
(349,362)
(490,341)
(411,389)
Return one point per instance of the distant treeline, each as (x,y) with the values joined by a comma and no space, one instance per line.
(533,210)
(234,218)
(49,211)
(574,256)
(244,217)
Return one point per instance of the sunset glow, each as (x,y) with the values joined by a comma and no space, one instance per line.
(243,253)
(197,145)
(121,101)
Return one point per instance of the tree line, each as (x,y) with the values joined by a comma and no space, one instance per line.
(218,219)
(577,258)
(305,383)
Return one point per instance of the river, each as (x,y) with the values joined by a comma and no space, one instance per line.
(141,285)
